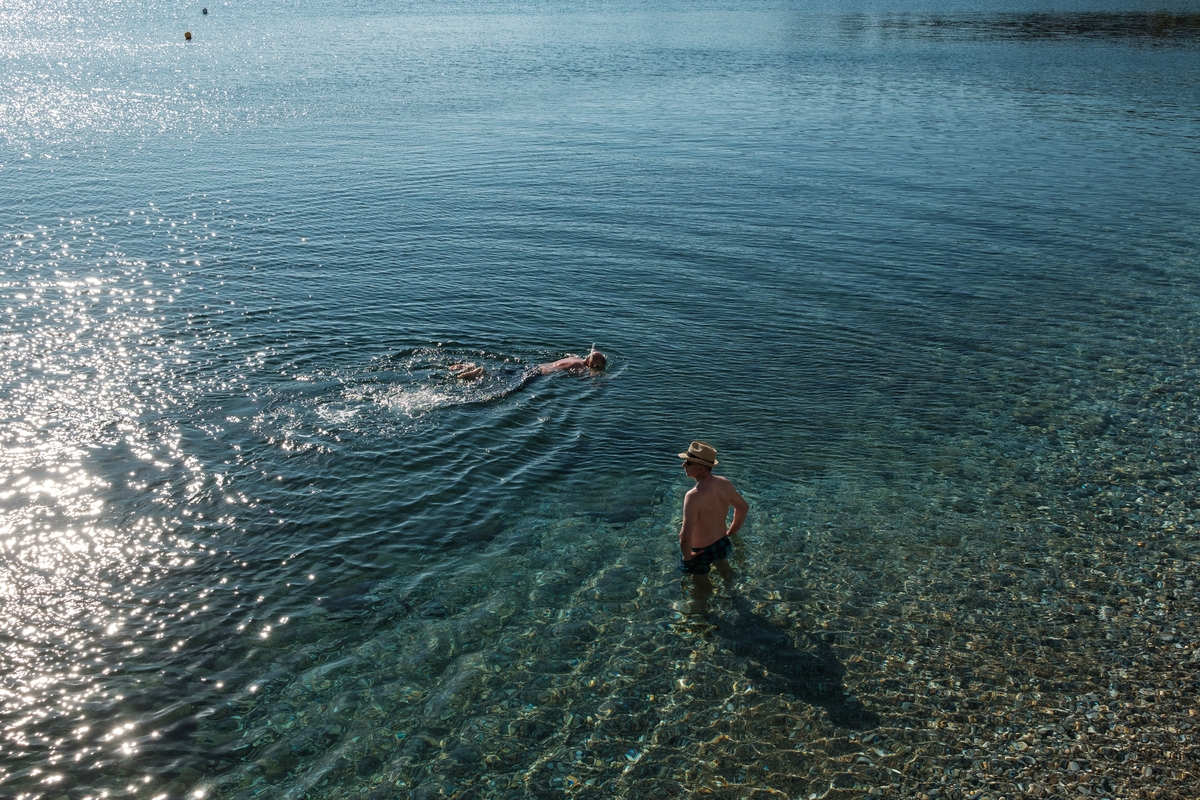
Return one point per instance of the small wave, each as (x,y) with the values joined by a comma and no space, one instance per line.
(413,402)
(389,394)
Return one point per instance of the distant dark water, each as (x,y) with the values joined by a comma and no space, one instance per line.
(1158,27)
(868,250)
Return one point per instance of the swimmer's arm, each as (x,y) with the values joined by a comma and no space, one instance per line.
(465,370)
(689,525)
(740,508)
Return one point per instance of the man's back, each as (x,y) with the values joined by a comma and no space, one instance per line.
(594,360)
(707,506)
(704,539)
(568,364)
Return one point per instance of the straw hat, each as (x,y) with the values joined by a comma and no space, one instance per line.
(702,453)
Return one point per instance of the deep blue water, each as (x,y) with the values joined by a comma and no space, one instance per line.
(891,253)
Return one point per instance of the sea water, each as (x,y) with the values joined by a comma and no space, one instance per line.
(924,274)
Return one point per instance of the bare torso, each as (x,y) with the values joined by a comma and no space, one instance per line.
(570,363)
(706,511)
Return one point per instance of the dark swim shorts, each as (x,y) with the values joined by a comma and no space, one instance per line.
(701,561)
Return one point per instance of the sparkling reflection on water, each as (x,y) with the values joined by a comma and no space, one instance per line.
(927,281)
(90,382)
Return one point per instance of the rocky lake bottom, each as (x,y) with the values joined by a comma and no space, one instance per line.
(1017,621)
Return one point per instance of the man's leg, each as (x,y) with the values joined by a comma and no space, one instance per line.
(726,571)
(702,589)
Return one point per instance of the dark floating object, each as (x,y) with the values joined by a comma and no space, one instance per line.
(204,10)
(187,36)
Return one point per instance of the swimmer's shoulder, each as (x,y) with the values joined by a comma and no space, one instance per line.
(725,486)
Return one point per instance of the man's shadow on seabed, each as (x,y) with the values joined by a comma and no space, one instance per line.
(811,675)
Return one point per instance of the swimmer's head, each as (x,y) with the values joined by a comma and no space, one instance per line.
(596,360)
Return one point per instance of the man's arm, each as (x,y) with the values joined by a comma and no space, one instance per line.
(740,507)
(689,525)
(465,371)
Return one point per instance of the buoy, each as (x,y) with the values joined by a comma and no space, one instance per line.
(187,36)
(204,10)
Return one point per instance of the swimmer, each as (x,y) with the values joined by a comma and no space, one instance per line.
(595,360)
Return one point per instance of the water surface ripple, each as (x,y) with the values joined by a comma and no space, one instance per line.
(925,275)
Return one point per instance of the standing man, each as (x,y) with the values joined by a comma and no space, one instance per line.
(704,537)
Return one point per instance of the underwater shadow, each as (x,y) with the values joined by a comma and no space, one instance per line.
(777,662)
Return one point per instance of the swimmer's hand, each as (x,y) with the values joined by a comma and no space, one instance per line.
(465,372)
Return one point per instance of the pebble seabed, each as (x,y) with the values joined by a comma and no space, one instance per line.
(1017,621)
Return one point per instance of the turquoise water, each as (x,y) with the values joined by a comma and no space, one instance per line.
(925,276)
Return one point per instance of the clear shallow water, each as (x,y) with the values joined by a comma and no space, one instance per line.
(925,277)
